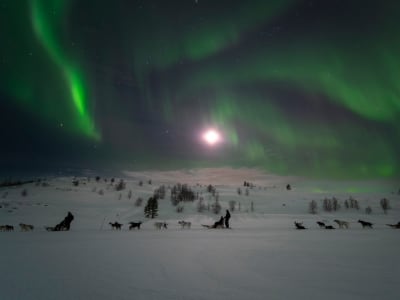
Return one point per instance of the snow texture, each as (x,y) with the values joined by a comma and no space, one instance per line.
(263,256)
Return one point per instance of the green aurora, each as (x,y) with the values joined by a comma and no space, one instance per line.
(297,87)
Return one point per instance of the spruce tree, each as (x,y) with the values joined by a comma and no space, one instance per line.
(151,208)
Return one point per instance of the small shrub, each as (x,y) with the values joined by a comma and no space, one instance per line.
(313,207)
(327,204)
(335,204)
(232,205)
(120,185)
(201,205)
(385,205)
(216,207)
(346,204)
(138,202)
(160,192)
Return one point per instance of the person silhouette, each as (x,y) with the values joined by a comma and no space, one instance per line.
(226,219)
(219,223)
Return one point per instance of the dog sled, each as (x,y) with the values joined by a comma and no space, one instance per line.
(215,227)
(222,223)
(64,225)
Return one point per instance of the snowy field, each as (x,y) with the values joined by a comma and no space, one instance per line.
(261,257)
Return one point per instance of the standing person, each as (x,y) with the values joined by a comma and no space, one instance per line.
(227,217)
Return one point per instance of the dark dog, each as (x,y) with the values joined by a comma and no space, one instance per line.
(134,225)
(6,228)
(116,225)
(321,224)
(329,227)
(299,225)
(365,224)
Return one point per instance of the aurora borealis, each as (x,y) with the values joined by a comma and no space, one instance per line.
(308,88)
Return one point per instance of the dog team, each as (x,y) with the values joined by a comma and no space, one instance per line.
(344,225)
(157,225)
(24,227)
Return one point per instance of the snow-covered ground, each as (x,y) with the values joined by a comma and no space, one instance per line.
(261,257)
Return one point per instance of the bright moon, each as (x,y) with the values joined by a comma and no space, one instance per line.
(211,137)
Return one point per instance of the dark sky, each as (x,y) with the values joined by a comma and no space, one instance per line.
(307,88)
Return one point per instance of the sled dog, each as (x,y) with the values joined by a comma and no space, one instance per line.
(365,224)
(299,225)
(116,225)
(185,224)
(160,225)
(25,227)
(134,225)
(321,224)
(6,228)
(342,224)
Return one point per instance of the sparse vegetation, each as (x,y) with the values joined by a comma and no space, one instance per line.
(181,193)
(138,202)
(385,205)
(9,182)
(232,205)
(160,192)
(120,185)
(201,206)
(313,207)
(216,207)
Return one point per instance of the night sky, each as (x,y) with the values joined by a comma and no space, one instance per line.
(307,88)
